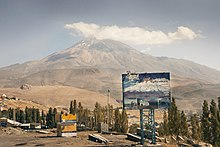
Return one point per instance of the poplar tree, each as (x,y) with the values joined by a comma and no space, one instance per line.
(28,115)
(177,118)
(196,131)
(173,118)
(10,113)
(98,114)
(205,124)
(124,122)
(218,116)
(22,116)
(42,117)
(17,114)
(38,117)
(219,104)
(49,118)
(213,108)
(218,112)
(214,124)
(54,117)
(71,108)
(165,124)
(183,125)
(74,106)
(215,127)
(33,115)
(117,126)
(80,112)
(86,113)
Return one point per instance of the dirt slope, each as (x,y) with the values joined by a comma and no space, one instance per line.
(58,96)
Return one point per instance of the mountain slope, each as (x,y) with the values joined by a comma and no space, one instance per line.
(97,65)
(111,56)
(191,69)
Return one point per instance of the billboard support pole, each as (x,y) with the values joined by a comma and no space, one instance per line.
(142,126)
(151,123)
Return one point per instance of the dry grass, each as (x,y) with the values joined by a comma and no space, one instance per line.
(57,96)
(21,104)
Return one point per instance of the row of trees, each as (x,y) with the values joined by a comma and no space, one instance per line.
(175,123)
(121,121)
(210,123)
(29,115)
(116,120)
(205,127)
(90,118)
(51,118)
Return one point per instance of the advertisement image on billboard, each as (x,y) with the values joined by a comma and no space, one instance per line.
(146,90)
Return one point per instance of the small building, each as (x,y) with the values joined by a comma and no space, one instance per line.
(3,122)
(3,108)
(67,126)
(103,127)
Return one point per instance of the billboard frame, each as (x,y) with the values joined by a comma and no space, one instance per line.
(150,117)
(148,102)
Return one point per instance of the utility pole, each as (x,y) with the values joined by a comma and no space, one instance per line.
(108,96)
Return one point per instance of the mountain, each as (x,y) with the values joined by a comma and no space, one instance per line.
(97,65)
(97,56)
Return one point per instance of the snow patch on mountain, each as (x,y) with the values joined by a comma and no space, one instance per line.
(150,85)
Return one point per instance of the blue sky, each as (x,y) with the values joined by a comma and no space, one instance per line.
(33,29)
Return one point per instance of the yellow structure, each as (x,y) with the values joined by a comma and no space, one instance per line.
(68,117)
(71,128)
(67,126)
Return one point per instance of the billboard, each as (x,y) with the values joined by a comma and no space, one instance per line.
(146,90)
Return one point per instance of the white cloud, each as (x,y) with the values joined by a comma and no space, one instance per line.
(183,33)
(132,35)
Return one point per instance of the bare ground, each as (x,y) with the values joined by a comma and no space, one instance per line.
(11,137)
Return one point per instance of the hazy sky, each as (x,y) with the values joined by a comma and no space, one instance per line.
(187,29)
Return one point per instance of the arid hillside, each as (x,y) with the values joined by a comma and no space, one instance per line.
(58,96)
